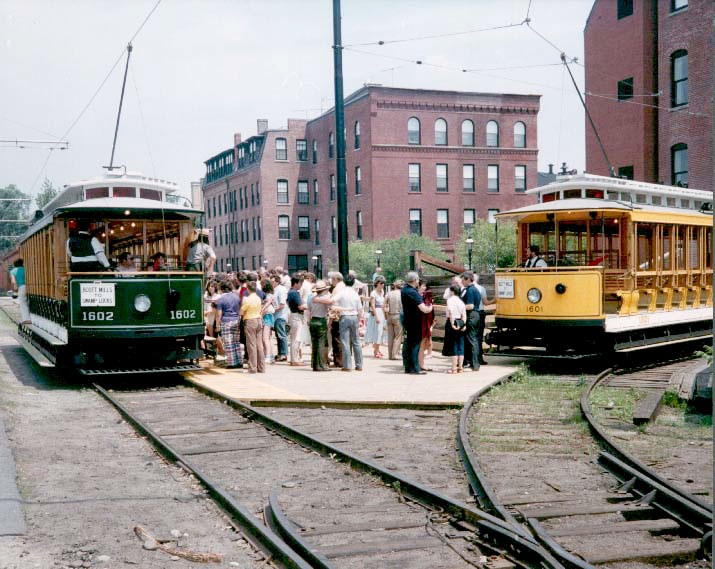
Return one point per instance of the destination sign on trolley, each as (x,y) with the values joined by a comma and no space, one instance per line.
(96,294)
(505,288)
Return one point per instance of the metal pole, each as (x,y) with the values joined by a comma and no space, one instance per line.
(343,261)
(470,257)
(121,100)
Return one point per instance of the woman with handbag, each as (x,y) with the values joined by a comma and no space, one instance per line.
(376,321)
(454,330)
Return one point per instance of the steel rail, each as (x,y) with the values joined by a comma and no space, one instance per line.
(614,449)
(282,526)
(485,494)
(263,537)
(491,530)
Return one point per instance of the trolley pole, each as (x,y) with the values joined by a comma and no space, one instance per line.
(343,261)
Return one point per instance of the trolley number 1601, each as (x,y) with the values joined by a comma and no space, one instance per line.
(182,314)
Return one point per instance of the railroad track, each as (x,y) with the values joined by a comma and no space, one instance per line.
(586,505)
(318,510)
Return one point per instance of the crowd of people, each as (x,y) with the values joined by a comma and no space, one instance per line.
(337,318)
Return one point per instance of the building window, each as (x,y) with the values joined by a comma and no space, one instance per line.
(303,227)
(259,224)
(442,178)
(219,206)
(253,196)
(468,177)
(281,149)
(492,178)
(333,230)
(677,5)
(519,135)
(357,134)
(492,133)
(283,227)
(243,263)
(416,221)
(679,165)
(358,177)
(442,223)
(253,227)
(492,215)
(297,263)
(413,131)
(243,234)
(303,195)
(315,152)
(469,217)
(331,145)
(413,171)
(253,262)
(440,132)
(315,192)
(258,195)
(467,133)
(214,207)
(282,191)
(358,222)
(625,8)
(519,179)
(332,187)
(625,172)
(317,232)
(301,149)
(679,78)
(625,89)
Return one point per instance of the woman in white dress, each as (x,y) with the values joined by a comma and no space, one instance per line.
(376,321)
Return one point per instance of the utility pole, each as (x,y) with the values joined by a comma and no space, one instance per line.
(343,262)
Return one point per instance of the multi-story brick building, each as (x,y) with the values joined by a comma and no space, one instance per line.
(649,88)
(420,161)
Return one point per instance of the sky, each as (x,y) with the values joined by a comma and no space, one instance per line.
(201,70)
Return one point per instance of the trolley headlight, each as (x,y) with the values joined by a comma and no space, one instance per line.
(142,303)
(534,295)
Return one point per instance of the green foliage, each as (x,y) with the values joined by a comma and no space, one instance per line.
(671,399)
(12,210)
(395,258)
(46,194)
(706,353)
(485,245)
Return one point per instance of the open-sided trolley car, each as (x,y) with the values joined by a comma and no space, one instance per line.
(109,322)
(629,266)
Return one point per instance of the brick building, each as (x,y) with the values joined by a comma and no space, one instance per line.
(649,86)
(421,161)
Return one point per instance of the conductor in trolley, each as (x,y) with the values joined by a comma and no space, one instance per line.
(533,260)
(86,253)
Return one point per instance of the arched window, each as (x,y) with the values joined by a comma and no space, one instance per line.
(331,145)
(413,131)
(492,133)
(467,133)
(440,132)
(679,164)
(357,134)
(519,135)
(679,78)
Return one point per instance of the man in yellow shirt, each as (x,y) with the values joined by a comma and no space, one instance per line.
(253,325)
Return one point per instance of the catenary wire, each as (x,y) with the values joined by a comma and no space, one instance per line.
(608,97)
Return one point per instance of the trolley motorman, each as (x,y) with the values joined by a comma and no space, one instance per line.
(86,253)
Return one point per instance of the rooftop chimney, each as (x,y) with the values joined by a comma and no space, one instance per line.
(551,168)
(262,125)
(237,138)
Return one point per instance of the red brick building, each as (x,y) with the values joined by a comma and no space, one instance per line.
(649,88)
(420,161)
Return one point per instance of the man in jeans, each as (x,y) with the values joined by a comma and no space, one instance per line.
(472,299)
(280,298)
(350,306)
(393,308)
(295,320)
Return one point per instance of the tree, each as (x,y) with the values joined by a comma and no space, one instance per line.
(12,210)
(395,258)
(485,235)
(46,194)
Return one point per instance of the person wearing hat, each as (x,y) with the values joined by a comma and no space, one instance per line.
(198,253)
(319,306)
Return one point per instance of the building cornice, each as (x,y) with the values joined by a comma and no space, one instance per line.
(457,107)
(471,150)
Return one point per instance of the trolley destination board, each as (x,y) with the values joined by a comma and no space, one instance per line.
(96,294)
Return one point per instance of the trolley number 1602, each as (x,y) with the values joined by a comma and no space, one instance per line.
(182,314)
(95,315)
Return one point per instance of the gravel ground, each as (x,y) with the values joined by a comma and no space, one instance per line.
(87,480)
(532,443)
(398,439)
(252,463)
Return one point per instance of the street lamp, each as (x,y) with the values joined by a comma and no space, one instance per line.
(378,253)
(470,244)
(315,265)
